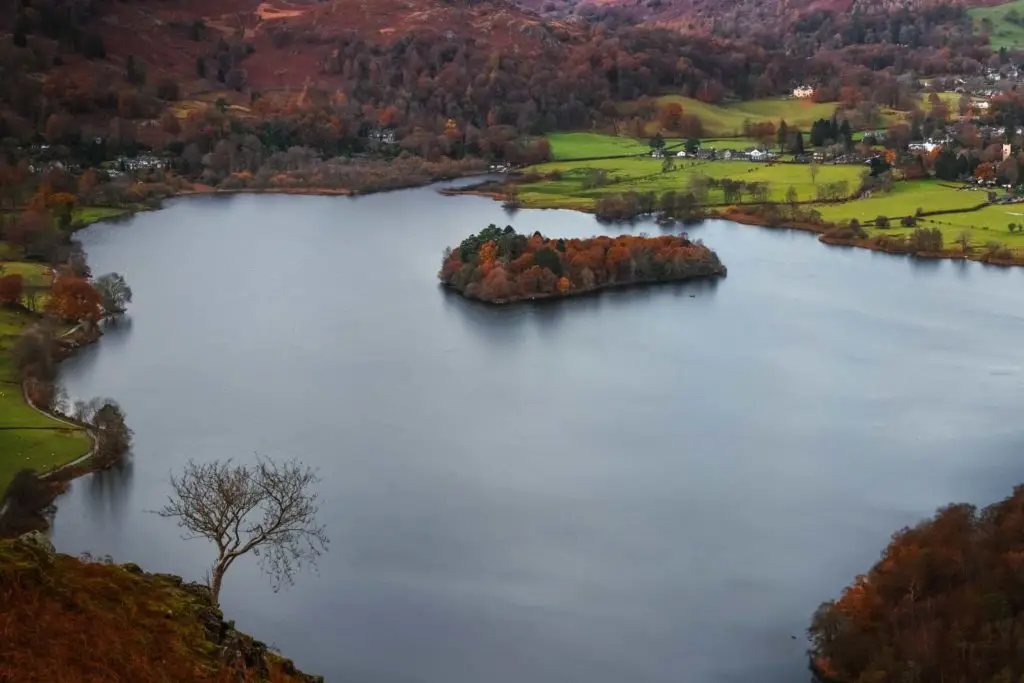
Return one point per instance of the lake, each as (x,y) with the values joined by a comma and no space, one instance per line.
(650,485)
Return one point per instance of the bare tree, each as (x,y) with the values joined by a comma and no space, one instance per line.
(268,509)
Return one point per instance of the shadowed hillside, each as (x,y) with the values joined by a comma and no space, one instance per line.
(67,620)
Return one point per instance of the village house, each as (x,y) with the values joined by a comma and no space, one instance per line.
(802,92)
(143,162)
(385,136)
(926,146)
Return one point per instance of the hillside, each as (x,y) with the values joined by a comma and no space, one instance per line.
(278,44)
(1002,23)
(708,14)
(72,621)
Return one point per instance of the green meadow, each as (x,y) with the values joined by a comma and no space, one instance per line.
(1004,33)
(28,439)
(573,183)
(904,200)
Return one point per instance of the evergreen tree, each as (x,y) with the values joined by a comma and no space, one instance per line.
(783,135)
(798,143)
(846,134)
(947,166)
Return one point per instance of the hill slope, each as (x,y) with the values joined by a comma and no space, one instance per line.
(81,622)
(280,43)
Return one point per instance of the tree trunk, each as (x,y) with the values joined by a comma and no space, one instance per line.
(218,578)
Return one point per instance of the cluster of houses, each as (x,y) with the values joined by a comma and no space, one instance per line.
(755,154)
(383,136)
(142,162)
(712,154)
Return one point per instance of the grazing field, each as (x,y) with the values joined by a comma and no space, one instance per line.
(1004,33)
(28,439)
(950,99)
(741,144)
(574,187)
(904,200)
(585,145)
(990,224)
(569,146)
(726,120)
(33,274)
(86,215)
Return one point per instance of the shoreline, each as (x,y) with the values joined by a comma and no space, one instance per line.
(56,477)
(821,231)
(712,276)
(868,244)
(127,212)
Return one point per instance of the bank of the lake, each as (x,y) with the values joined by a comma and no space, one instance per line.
(772,216)
(651,484)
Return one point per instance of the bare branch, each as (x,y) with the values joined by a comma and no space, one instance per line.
(268,510)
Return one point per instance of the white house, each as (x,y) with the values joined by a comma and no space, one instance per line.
(803,91)
(926,146)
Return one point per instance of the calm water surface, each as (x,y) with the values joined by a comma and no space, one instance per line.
(654,485)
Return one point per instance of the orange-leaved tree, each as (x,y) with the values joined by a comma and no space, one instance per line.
(74,298)
(12,289)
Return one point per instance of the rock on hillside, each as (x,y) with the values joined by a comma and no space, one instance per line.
(65,619)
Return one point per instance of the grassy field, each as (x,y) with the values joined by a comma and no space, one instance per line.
(28,438)
(950,99)
(33,274)
(644,174)
(904,200)
(990,224)
(569,146)
(86,215)
(583,145)
(726,120)
(1004,33)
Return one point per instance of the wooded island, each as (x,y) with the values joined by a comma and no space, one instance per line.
(499,265)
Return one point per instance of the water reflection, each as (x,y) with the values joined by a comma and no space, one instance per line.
(549,313)
(648,484)
(104,495)
(116,331)
(927,265)
(108,490)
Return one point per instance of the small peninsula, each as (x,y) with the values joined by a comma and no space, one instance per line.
(501,266)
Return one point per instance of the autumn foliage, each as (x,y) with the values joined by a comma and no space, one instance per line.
(945,603)
(74,298)
(500,265)
(12,289)
(83,622)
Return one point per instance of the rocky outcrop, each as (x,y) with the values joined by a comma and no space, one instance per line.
(137,621)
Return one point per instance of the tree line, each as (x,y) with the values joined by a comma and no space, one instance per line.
(944,603)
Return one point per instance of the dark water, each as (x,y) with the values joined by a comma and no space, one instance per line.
(654,485)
